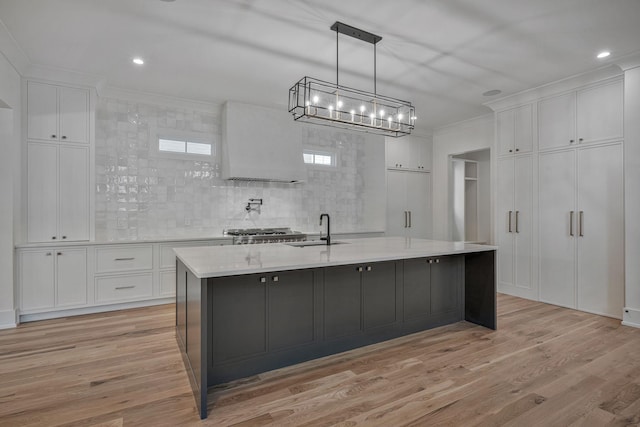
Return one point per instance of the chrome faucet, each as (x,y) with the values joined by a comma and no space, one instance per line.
(328,236)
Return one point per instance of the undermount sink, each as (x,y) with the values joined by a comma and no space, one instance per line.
(313,243)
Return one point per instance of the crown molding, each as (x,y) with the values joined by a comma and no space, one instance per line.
(467,123)
(10,49)
(628,62)
(107,91)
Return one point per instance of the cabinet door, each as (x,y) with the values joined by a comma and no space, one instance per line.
(379,294)
(238,307)
(523,129)
(600,113)
(418,187)
(505,132)
(342,301)
(505,221)
(37,280)
(416,289)
(446,285)
(42,187)
(71,285)
(74,193)
(74,114)
(557,242)
(42,107)
(290,309)
(601,231)
(523,224)
(397,218)
(556,121)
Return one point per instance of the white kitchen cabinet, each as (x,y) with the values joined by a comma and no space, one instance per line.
(515,225)
(581,229)
(584,116)
(57,113)
(57,192)
(408,204)
(515,130)
(408,153)
(53,278)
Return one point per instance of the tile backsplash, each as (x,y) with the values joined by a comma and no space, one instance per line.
(144,194)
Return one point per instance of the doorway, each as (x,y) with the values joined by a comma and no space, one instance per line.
(470,196)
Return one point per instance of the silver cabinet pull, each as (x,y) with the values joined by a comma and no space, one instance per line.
(571,223)
(430,261)
(275,279)
(437,260)
(409,219)
(368,268)
(517,228)
(581,223)
(125,287)
(48,254)
(510,212)
(125,259)
(359,269)
(263,280)
(406,219)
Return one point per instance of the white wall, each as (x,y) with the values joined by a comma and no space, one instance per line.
(9,184)
(458,138)
(632,195)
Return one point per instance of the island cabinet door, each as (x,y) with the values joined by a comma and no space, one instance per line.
(417,290)
(342,301)
(379,294)
(238,317)
(291,308)
(446,287)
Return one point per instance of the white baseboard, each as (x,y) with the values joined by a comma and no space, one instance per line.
(526,293)
(95,309)
(631,317)
(8,319)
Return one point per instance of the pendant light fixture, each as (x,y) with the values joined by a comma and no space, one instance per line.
(317,101)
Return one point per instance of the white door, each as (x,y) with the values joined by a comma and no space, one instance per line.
(557,225)
(504,223)
(42,186)
(556,121)
(74,114)
(71,288)
(600,231)
(523,224)
(418,197)
(397,216)
(600,113)
(37,289)
(523,129)
(505,131)
(42,107)
(74,193)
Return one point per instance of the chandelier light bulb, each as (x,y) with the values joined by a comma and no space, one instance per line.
(381,113)
(362,109)
(316,99)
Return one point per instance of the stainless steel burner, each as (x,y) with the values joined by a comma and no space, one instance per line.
(243,236)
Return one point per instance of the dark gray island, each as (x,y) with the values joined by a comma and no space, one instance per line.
(242,310)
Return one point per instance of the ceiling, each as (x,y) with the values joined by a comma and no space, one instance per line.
(439,54)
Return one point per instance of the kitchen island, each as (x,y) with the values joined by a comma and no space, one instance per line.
(246,309)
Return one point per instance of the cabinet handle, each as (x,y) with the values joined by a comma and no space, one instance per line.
(64,137)
(275,279)
(409,219)
(405,219)
(580,139)
(263,280)
(58,253)
(430,261)
(53,136)
(571,223)
(510,212)
(48,254)
(581,223)
(517,149)
(517,215)
(64,237)
(359,269)
(125,287)
(53,238)
(437,260)
(571,141)
(368,268)
(125,259)
(511,151)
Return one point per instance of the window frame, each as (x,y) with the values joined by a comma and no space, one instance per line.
(331,153)
(186,137)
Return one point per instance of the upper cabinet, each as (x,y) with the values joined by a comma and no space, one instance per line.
(588,115)
(515,130)
(57,113)
(408,153)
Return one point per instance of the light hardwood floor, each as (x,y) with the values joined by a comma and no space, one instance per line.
(545,365)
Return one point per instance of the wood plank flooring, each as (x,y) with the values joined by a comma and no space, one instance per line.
(545,365)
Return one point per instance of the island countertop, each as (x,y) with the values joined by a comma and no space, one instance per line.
(218,261)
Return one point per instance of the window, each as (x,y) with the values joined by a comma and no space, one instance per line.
(184,147)
(320,158)
(184,144)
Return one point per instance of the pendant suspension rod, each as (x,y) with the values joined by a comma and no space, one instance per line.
(375,89)
(337,60)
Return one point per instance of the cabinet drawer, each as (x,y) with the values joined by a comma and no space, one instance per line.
(123,288)
(111,260)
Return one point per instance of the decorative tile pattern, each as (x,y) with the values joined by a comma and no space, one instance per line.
(142,194)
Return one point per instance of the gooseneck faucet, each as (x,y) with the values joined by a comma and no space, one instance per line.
(328,236)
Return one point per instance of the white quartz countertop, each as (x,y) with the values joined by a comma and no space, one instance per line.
(218,261)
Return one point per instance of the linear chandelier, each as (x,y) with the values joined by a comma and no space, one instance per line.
(317,101)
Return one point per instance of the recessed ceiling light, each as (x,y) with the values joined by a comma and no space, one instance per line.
(603,54)
(492,92)
(138,61)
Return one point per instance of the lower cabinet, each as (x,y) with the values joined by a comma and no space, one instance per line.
(53,278)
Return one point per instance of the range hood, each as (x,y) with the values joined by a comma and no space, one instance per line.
(260,144)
